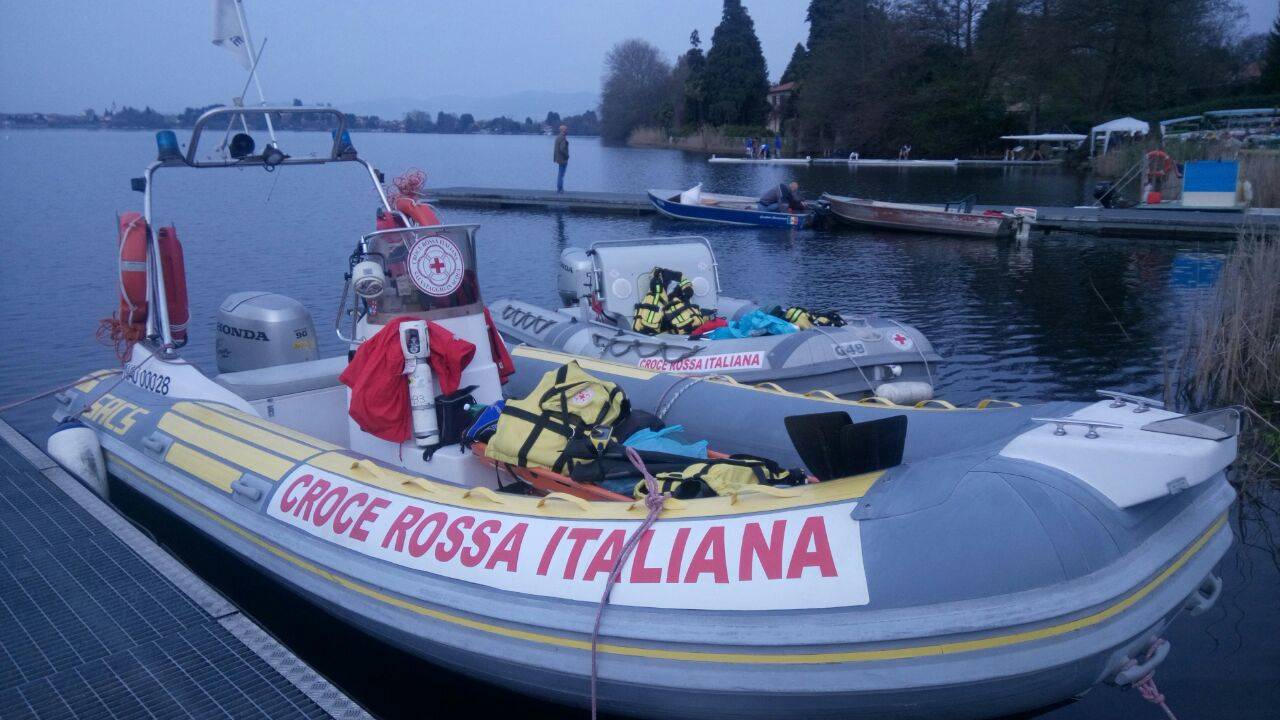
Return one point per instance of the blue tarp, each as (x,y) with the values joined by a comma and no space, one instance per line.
(756,322)
(1210,176)
(661,441)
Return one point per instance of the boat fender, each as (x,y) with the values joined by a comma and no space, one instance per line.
(175,284)
(75,447)
(905,392)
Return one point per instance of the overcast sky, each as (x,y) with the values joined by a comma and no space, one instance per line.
(66,55)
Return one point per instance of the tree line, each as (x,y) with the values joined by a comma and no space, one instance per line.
(947,76)
(415,121)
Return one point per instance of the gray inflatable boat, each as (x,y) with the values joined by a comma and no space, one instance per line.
(951,563)
(1003,566)
(601,285)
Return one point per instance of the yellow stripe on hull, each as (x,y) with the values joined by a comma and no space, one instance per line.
(245,431)
(223,447)
(268,425)
(197,464)
(762,658)
(841,490)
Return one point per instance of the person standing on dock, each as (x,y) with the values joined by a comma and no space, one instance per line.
(561,156)
(777,146)
(751,148)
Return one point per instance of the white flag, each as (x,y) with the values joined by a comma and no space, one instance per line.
(228,33)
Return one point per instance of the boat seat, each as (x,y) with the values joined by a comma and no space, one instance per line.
(284,379)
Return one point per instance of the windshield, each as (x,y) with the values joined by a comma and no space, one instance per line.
(429,271)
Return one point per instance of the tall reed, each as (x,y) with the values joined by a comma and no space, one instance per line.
(1262,169)
(1233,354)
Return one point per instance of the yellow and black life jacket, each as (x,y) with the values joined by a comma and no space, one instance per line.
(648,318)
(721,476)
(567,404)
(805,319)
(668,306)
(680,317)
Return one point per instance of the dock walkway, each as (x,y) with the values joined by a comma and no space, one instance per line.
(1141,223)
(96,620)
(605,202)
(1116,222)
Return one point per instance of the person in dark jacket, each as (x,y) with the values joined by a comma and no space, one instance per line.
(783,198)
(561,156)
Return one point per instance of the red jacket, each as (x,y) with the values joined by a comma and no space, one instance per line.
(379,388)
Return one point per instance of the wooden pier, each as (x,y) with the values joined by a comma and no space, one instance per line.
(96,620)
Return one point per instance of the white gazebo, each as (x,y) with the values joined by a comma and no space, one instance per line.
(1120,126)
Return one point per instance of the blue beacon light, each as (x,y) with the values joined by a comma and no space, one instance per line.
(167,146)
(344,145)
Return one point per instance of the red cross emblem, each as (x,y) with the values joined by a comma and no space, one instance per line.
(436,265)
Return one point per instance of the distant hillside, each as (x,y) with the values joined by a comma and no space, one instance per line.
(531,103)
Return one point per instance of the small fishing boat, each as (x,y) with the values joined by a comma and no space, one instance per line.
(941,562)
(601,285)
(948,218)
(694,204)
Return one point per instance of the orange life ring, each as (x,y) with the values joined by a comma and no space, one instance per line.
(133,277)
(130,324)
(419,212)
(1159,164)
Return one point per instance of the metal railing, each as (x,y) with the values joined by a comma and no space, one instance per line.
(158,326)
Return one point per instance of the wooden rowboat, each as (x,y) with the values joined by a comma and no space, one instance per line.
(947,219)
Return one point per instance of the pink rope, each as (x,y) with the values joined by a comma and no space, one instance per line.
(653,500)
(1151,693)
(1146,685)
(45,393)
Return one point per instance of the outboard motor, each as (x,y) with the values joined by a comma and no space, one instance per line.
(260,329)
(1104,193)
(574,281)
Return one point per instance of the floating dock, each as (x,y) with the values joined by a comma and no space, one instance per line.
(882,162)
(600,202)
(1112,222)
(96,620)
(1143,223)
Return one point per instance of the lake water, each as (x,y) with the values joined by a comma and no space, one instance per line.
(1053,318)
